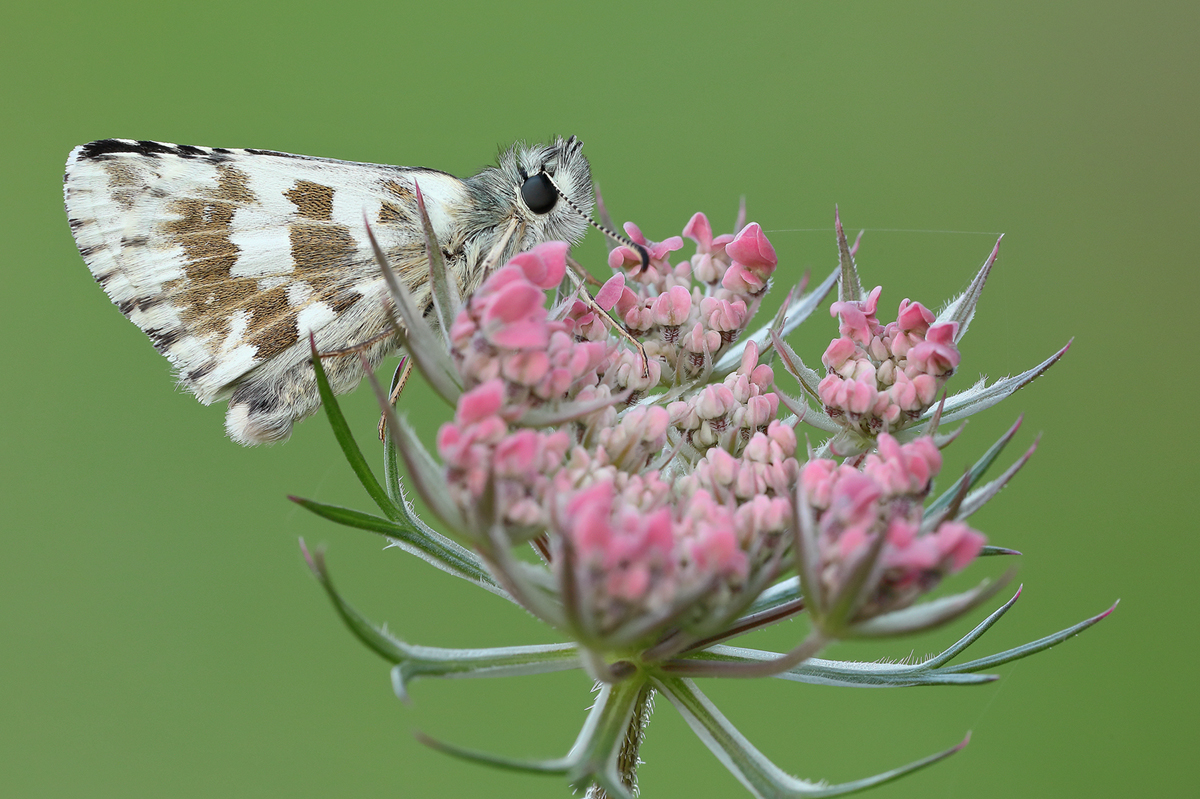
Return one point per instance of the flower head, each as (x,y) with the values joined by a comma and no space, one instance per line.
(883,377)
(639,442)
(871,520)
(663,495)
(637,544)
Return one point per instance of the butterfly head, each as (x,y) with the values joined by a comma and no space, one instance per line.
(547,188)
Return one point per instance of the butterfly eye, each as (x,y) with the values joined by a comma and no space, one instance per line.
(539,194)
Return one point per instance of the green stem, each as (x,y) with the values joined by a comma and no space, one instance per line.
(627,760)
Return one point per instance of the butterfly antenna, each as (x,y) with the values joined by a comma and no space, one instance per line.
(612,234)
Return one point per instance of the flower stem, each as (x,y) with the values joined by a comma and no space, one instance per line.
(628,760)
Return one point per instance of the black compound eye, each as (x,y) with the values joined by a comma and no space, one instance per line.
(539,194)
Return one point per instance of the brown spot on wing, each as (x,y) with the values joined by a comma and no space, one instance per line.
(205,307)
(312,200)
(390,214)
(401,192)
(342,300)
(124,197)
(203,231)
(209,293)
(322,255)
(121,174)
(321,252)
(234,185)
(272,326)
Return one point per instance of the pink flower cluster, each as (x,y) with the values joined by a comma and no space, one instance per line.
(884,377)
(671,508)
(687,313)
(479,446)
(633,523)
(631,564)
(649,507)
(730,412)
(852,508)
(504,332)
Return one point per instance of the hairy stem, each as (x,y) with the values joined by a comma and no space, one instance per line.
(628,760)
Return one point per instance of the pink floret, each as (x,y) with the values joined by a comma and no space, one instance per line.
(545,264)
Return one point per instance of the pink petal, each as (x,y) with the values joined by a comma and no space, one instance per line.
(482,401)
(960,543)
(662,249)
(545,264)
(515,301)
(521,335)
(913,316)
(635,234)
(751,248)
(514,456)
(699,230)
(612,292)
(838,352)
(525,368)
(671,309)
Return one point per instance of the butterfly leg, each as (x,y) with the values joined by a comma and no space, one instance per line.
(403,370)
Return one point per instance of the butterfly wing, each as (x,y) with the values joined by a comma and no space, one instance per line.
(229,259)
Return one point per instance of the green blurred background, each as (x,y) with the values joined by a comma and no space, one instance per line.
(160,634)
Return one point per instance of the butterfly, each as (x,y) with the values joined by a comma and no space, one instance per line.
(229,259)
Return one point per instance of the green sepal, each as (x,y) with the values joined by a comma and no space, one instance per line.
(961,309)
(413,661)
(781,593)
(927,615)
(806,376)
(429,546)
(408,532)
(984,494)
(423,344)
(593,759)
(751,767)
(446,300)
(501,661)
(556,766)
(931,671)
(376,639)
(355,518)
(850,288)
(1033,647)
(391,459)
(982,396)
(992,551)
(750,668)
(345,440)
(425,472)
(975,473)
(846,674)
(394,485)
(802,412)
